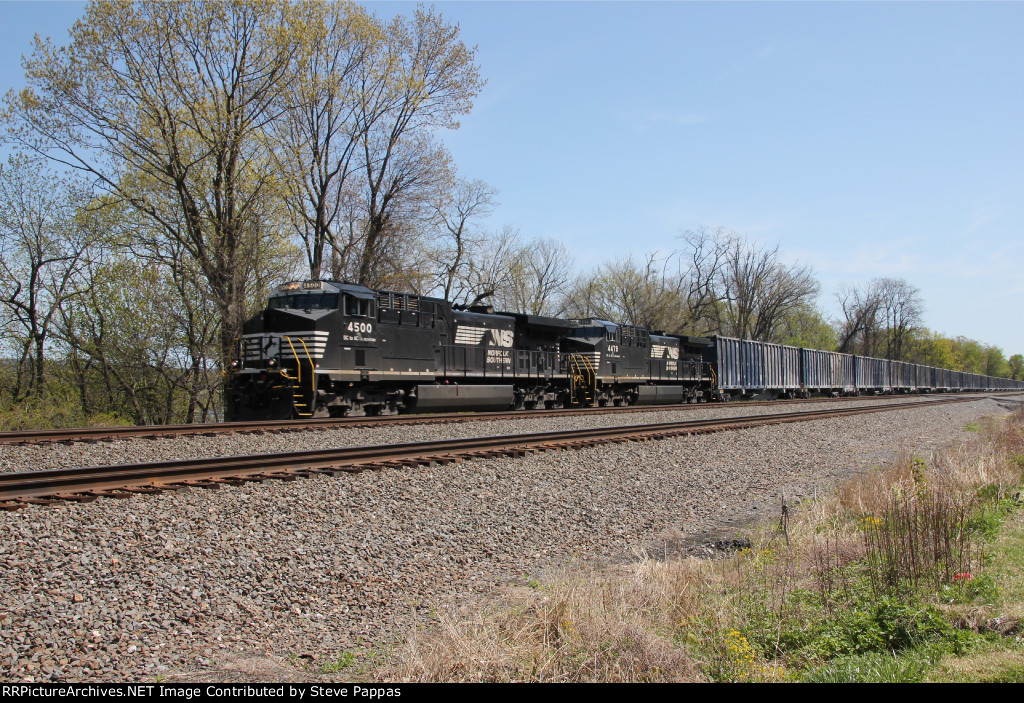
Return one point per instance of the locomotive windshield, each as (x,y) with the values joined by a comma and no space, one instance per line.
(305,301)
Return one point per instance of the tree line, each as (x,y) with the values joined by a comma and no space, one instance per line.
(172,161)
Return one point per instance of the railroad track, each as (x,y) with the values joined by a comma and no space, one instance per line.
(86,484)
(101,434)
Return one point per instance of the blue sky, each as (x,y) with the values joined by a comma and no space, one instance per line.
(865,139)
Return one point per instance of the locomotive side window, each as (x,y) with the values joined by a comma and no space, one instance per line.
(358,307)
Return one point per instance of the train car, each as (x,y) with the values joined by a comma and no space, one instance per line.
(827,373)
(749,369)
(871,376)
(925,380)
(904,376)
(324,348)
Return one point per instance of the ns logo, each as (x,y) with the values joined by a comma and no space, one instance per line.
(500,338)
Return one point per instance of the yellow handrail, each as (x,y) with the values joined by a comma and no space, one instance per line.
(298,373)
(578,363)
(301,341)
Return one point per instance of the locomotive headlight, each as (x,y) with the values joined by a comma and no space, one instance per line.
(272,363)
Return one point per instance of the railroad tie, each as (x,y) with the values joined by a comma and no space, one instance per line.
(118,493)
(76,497)
(281,475)
(193,483)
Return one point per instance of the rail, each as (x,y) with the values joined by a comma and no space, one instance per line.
(84,484)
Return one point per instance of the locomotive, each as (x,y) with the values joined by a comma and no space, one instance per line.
(334,349)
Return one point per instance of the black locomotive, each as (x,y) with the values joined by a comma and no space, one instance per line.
(329,349)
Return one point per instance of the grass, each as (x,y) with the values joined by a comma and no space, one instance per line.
(910,573)
(346,660)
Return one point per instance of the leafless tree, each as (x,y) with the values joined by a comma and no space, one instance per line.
(629,291)
(538,282)
(699,271)
(319,136)
(878,317)
(492,267)
(44,245)
(758,291)
(456,240)
(432,80)
(902,307)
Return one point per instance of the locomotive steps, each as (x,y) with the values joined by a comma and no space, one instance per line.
(85,484)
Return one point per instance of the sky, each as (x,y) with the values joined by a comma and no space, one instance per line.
(864,139)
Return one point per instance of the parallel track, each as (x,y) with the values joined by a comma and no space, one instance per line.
(86,484)
(99,434)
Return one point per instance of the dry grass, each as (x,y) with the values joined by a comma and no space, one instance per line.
(901,530)
(615,626)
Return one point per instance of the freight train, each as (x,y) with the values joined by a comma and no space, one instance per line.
(333,349)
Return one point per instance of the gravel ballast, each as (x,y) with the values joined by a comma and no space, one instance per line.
(183,581)
(60,456)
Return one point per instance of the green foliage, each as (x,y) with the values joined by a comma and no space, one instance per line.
(989,517)
(890,624)
(961,354)
(981,590)
(872,668)
(345,661)
(807,327)
(857,624)
(932,349)
(1016,364)
(1013,674)
(969,355)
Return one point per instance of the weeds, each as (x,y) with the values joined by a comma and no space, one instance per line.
(345,661)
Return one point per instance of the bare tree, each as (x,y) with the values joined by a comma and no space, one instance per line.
(44,245)
(857,332)
(628,291)
(879,317)
(758,291)
(456,241)
(901,306)
(492,266)
(320,136)
(699,271)
(538,282)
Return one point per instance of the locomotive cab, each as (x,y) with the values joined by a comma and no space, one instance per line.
(280,350)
